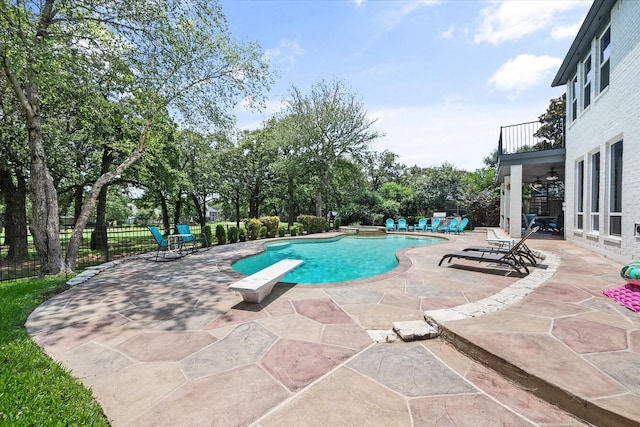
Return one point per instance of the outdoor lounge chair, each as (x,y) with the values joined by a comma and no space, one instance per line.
(451,226)
(422,223)
(435,223)
(522,251)
(189,239)
(390,225)
(402,225)
(511,258)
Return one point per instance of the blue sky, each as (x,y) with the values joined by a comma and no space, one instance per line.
(440,77)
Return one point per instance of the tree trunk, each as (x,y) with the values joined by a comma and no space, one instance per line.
(165,215)
(15,221)
(45,223)
(78,196)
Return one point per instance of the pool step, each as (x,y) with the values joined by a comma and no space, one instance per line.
(406,331)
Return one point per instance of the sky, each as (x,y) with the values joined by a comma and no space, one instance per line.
(438,77)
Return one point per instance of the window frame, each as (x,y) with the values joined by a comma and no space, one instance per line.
(616,155)
(594,199)
(587,77)
(579,195)
(574,97)
(604,59)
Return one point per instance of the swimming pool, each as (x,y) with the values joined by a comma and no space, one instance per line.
(333,260)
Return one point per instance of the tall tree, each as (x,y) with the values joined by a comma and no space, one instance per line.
(553,122)
(330,124)
(180,55)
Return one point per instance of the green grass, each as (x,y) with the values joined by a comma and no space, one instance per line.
(34,390)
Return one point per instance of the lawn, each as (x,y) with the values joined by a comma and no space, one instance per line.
(35,390)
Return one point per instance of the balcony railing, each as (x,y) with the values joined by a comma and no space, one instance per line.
(531,136)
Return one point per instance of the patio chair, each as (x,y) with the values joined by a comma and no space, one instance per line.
(390,225)
(402,225)
(451,226)
(511,258)
(433,227)
(189,239)
(522,250)
(163,245)
(421,225)
(460,228)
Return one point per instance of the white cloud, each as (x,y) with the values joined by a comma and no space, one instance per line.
(523,71)
(358,3)
(512,20)
(560,32)
(462,134)
(288,49)
(399,10)
(448,33)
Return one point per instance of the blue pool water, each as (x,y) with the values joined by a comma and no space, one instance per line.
(333,260)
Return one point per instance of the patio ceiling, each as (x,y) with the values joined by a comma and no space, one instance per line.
(534,165)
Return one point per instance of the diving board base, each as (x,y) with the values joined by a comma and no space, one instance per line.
(258,286)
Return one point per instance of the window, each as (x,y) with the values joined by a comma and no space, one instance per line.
(586,85)
(580,195)
(595,192)
(605,53)
(615,196)
(574,98)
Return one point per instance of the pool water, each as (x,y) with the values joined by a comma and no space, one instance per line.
(333,260)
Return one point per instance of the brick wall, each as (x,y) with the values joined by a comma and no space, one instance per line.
(613,115)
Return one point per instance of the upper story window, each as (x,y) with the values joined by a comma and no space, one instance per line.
(586,85)
(574,98)
(605,52)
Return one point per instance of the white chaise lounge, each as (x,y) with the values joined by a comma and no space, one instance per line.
(256,287)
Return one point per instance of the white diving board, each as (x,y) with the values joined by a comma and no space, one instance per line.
(258,286)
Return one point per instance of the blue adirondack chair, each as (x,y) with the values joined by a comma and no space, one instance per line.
(390,225)
(452,226)
(433,227)
(402,225)
(420,226)
(461,226)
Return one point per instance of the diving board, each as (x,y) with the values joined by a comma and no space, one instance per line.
(258,286)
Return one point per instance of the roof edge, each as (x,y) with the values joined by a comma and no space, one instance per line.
(593,22)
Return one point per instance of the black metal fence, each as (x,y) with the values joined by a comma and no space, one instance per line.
(97,247)
(526,137)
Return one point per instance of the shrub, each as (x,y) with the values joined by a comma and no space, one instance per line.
(300,228)
(282,230)
(263,232)
(312,224)
(253,228)
(336,223)
(233,234)
(208,233)
(272,223)
(243,234)
(294,231)
(221,234)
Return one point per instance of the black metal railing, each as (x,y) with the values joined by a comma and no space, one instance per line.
(96,247)
(531,136)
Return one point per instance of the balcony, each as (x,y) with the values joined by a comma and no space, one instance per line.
(538,147)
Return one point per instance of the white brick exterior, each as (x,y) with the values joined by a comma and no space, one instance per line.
(614,115)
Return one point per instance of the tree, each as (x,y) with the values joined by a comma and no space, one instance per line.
(330,124)
(438,187)
(552,129)
(179,55)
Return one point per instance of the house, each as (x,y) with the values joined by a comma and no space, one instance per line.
(594,164)
(213,214)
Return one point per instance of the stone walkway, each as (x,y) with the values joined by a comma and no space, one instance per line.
(167,344)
